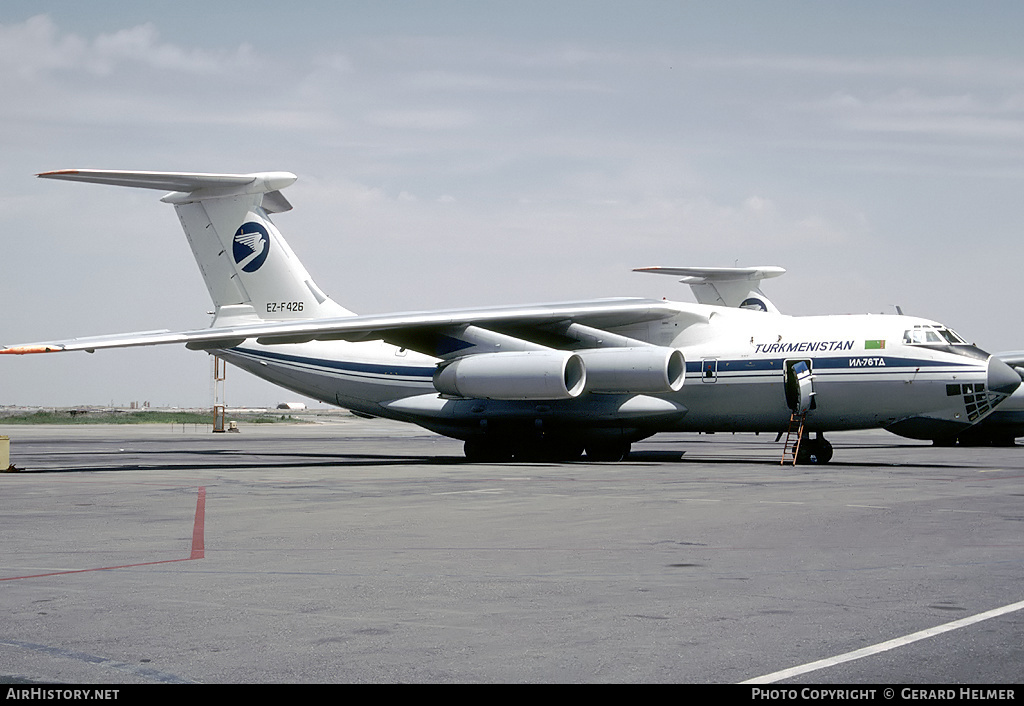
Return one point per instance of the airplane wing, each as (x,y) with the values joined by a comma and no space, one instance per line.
(400,327)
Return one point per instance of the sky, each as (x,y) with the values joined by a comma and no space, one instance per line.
(455,154)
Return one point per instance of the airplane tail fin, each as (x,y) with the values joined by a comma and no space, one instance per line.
(249,270)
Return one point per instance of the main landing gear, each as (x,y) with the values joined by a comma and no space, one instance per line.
(544,450)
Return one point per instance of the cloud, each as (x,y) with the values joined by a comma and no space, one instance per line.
(422,119)
(908,110)
(37,46)
(34,47)
(977,70)
(133,79)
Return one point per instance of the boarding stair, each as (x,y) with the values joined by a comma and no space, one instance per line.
(794,435)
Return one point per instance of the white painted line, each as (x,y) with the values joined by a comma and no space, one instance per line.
(883,646)
(870,507)
(468,492)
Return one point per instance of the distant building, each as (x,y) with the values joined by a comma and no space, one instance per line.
(293,406)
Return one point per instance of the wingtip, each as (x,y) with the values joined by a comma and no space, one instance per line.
(26,350)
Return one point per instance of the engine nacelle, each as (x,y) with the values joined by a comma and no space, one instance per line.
(643,369)
(518,375)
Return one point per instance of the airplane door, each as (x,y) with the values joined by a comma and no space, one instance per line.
(799,386)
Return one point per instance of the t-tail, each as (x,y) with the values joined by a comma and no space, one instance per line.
(249,270)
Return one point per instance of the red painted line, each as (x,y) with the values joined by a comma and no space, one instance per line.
(198,532)
(198,547)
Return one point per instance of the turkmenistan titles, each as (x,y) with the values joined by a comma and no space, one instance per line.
(804,347)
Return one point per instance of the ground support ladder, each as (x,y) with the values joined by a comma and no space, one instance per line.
(794,435)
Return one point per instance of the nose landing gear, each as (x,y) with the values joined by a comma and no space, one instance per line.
(814,451)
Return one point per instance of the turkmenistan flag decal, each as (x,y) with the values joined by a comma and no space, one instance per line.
(874,345)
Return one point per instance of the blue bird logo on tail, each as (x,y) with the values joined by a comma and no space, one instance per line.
(251,246)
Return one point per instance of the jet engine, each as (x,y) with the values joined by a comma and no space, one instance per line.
(642,370)
(562,375)
(520,375)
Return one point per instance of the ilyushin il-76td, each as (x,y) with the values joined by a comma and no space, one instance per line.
(555,381)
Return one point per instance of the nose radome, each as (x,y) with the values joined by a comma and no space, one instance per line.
(1001,377)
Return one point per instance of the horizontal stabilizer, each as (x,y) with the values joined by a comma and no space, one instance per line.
(703,275)
(216,185)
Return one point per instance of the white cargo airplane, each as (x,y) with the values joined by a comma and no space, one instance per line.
(552,380)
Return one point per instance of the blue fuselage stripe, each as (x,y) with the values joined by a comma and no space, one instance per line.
(723,367)
(833,363)
(341,365)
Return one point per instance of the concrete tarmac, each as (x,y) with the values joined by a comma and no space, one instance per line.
(368,551)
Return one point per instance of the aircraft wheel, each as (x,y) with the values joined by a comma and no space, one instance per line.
(564,450)
(611,451)
(486,451)
(550,451)
(814,452)
(971,441)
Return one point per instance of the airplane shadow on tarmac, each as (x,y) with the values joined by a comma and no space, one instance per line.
(221,459)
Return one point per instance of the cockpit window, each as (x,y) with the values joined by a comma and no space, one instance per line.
(951,336)
(940,338)
(923,333)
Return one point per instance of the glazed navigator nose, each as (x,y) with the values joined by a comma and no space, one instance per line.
(1001,377)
